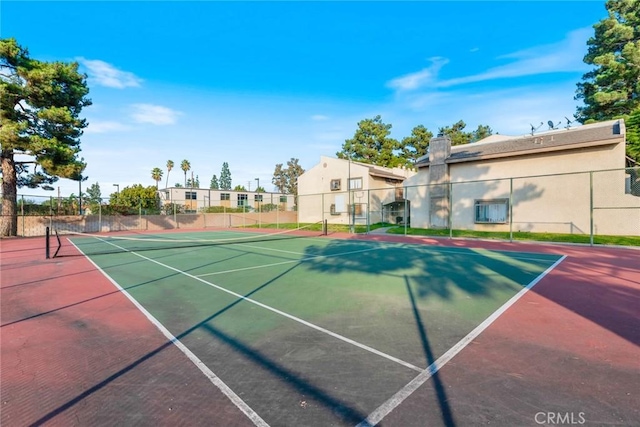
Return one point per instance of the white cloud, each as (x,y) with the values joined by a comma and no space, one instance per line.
(105,74)
(426,76)
(319,117)
(154,114)
(564,56)
(105,126)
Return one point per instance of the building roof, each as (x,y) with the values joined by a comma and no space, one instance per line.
(384,174)
(603,133)
(379,171)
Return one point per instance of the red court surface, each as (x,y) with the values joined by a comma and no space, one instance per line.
(76,351)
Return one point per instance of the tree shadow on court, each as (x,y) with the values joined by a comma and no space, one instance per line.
(437,271)
(603,288)
(441,394)
(323,397)
(429,273)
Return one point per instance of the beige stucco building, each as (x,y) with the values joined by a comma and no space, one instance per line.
(348,192)
(197,199)
(563,181)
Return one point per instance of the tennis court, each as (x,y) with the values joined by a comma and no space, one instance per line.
(302,329)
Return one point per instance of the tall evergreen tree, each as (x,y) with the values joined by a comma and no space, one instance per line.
(214,185)
(40,106)
(225,177)
(633,135)
(371,144)
(459,136)
(612,88)
(415,146)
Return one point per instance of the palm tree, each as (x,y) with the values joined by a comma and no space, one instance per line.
(156,175)
(169,167)
(185,166)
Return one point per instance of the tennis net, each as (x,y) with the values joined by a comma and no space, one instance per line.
(72,243)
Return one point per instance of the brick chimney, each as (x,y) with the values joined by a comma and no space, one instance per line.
(439,152)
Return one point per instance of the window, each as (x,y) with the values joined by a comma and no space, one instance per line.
(225,196)
(335,184)
(283,199)
(257,198)
(355,183)
(491,211)
(332,210)
(242,199)
(191,195)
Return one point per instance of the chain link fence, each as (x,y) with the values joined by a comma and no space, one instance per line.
(36,213)
(591,204)
(588,204)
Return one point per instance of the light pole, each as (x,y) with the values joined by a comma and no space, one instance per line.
(80,179)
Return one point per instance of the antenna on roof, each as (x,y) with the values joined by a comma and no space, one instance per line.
(533,128)
(568,122)
(552,126)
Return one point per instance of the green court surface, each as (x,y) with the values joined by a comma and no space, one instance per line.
(314,331)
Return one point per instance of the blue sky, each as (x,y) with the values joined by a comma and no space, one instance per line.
(258,83)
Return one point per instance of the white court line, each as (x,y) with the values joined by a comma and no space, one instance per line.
(385,409)
(233,397)
(392,246)
(287,262)
(275,310)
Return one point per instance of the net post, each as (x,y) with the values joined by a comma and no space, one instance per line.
(55,254)
(325,227)
(46,243)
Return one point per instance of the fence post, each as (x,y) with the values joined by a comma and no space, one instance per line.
(50,211)
(22,212)
(405,216)
(450,210)
(322,206)
(511,210)
(368,210)
(591,208)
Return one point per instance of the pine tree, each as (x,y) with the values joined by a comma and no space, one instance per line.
(214,183)
(225,177)
(611,89)
(371,144)
(41,104)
